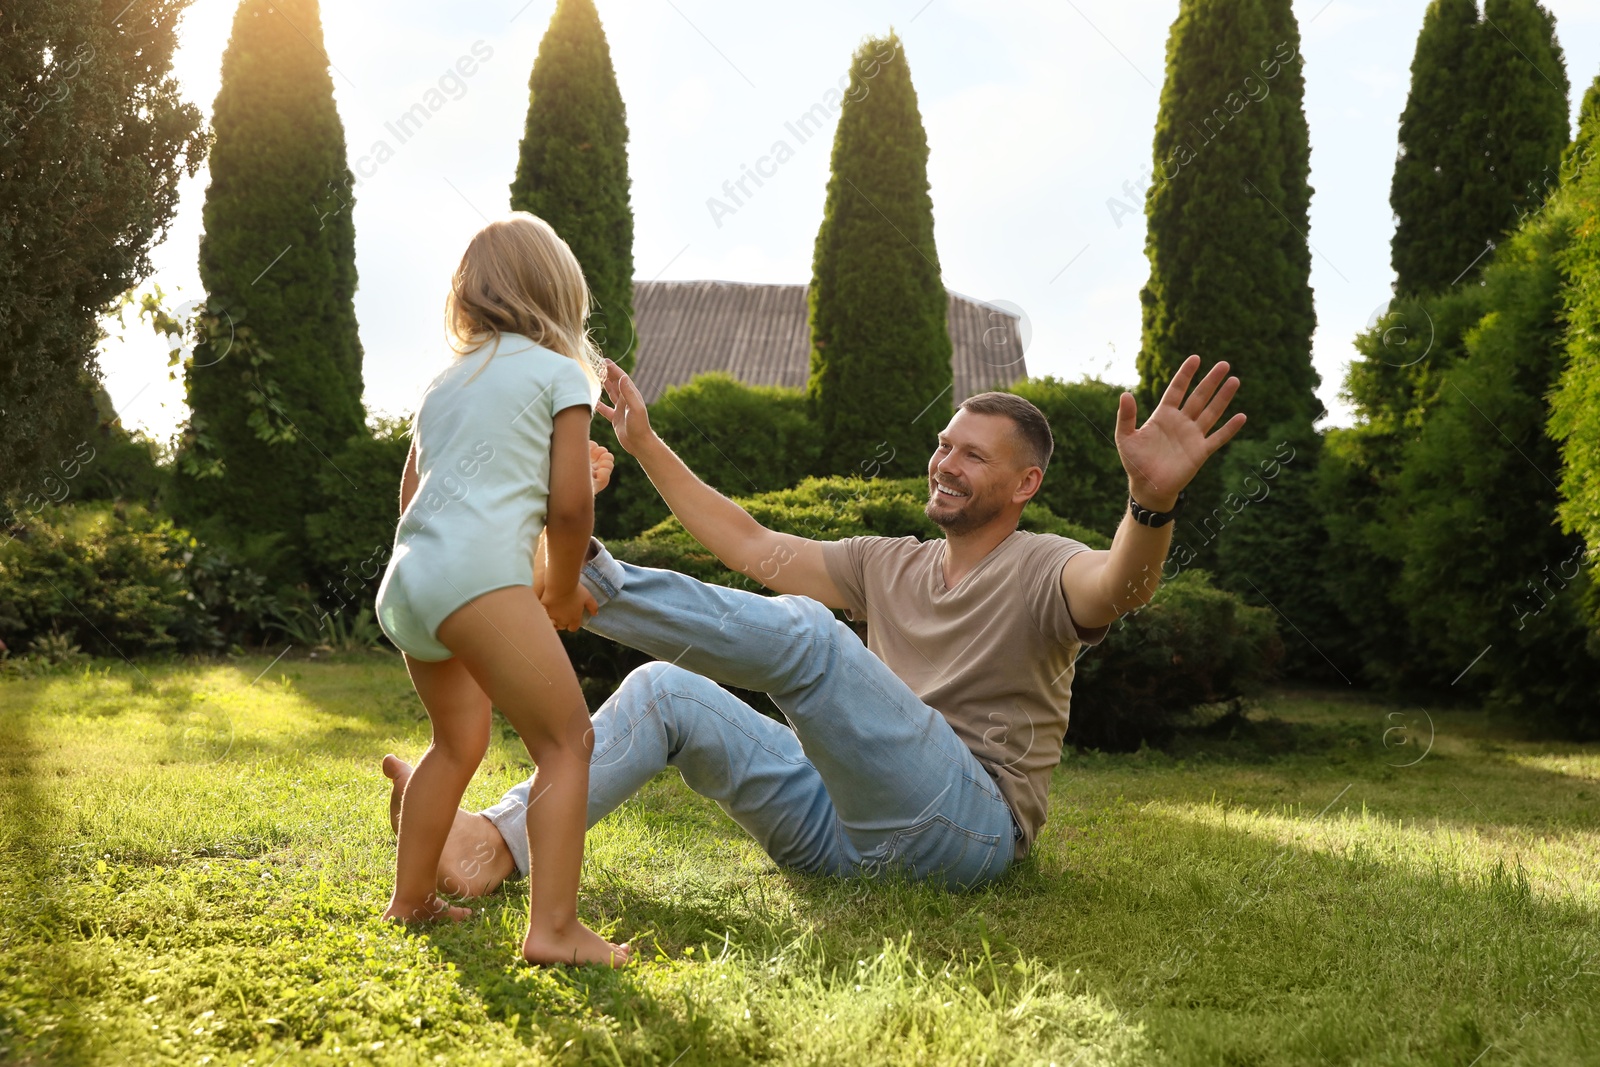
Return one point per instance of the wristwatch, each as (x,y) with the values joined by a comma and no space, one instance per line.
(1145,517)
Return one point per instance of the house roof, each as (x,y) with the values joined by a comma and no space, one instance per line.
(759,335)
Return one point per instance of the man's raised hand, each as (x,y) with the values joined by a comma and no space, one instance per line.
(626,412)
(1163,455)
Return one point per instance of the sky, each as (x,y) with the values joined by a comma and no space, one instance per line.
(1039,116)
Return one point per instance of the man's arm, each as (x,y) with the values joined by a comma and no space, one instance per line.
(784,563)
(1161,457)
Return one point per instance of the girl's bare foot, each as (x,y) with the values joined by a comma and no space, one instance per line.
(576,945)
(433,909)
(397,771)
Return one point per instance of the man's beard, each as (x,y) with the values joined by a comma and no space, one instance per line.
(974,513)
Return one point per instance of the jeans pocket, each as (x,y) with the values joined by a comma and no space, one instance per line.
(936,849)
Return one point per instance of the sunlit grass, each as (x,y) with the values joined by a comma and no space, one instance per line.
(191,859)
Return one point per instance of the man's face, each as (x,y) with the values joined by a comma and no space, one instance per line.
(975,472)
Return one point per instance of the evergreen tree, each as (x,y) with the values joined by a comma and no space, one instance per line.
(1522,90)
(1229,263)
(1392,386)
(93,140)
(573,167)
(275,387)
(1436,235)
(1479,110)
(1480,138)
(1575,407)
(1487,572)
(880,377)
(1229,279)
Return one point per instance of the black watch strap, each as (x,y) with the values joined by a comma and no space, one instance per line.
(1145,517)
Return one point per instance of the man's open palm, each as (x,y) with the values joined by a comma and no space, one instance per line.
(626,412)
(1163,455)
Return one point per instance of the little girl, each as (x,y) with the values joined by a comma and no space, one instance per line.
(500,451)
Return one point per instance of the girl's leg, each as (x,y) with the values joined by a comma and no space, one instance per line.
(506,641)
(459,711)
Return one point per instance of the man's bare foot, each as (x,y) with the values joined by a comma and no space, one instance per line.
(475,859)
(397,771)
(433,909)
(576,945)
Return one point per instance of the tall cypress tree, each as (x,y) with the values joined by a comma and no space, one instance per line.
(573,169)
(93,140)
(1230,270)
(1523,94)
(1229,262)
(275,388)
(1436,235)
(880,377)
(1480,138)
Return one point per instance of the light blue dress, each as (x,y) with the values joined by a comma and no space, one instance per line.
(483,458)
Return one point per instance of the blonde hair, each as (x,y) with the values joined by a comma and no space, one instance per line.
(518,276)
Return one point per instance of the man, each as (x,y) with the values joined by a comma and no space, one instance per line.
(929,749)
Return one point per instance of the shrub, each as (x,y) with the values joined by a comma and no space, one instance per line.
(1192,645)
(124,467)
(121,581)
(1476,512)
(111,581)
(1575,404)
(710,423)
(351,538)
(1085,482)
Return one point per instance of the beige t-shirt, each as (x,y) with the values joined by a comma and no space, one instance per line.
(994,655)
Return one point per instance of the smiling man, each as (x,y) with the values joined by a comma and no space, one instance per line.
(929,748)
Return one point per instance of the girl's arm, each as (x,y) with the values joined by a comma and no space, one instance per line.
(408,480)
(569,517)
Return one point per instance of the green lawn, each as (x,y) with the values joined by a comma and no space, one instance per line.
(192,858)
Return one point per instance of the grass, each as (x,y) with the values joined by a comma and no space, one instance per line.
(191,859)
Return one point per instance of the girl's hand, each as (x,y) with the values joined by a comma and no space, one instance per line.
(566,609)
(601,463)
(541,560)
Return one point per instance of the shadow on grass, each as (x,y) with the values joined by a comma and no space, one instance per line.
(41,969)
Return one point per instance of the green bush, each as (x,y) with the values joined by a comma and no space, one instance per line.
(1486,565)
(1192,645)
(738,438)
(111,581)
(351,538)
(123,582)
(1085,481)
(1405,358)
(125,467)
(1575,404)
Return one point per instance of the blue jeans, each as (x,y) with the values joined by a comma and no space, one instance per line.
(870,779)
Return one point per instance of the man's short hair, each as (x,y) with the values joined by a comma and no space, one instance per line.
(1033,429)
